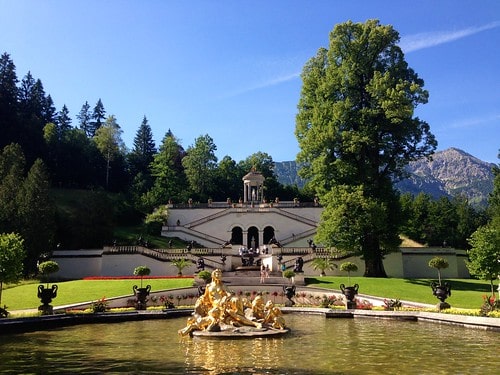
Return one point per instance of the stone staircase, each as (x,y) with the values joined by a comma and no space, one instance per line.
(252,277)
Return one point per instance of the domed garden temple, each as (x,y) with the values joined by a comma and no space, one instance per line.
(250,222)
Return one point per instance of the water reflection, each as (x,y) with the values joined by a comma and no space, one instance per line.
(314,346)
(238,356)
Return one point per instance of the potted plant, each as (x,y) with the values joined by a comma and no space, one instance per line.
(323,264)
(205,275)
(289,274)
(349,291)
(440,290)
(47,294)
(289,290)
(141,293)
(181,263)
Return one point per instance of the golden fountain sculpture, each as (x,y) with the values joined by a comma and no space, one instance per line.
(218,312)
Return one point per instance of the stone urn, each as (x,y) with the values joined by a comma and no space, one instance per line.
(289,292)
(141,294)
(441,291)
(350,294)
(46,296)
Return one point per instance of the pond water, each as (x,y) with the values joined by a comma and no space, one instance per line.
(315,345)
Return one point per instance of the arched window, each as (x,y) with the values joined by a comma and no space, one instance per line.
(237,236)
(253,238)
(268,234)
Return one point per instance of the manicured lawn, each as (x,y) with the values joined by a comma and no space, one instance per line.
(465,293)
(25,296)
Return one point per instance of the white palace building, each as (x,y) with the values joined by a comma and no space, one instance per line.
(237,236)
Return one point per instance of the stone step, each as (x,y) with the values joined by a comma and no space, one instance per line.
(271,280)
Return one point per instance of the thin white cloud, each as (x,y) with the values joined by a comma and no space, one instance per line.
(262,85)
(416,42)
(477,122)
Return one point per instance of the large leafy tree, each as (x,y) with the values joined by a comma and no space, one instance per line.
(199,165)
(228,177)
(484,255)
(109,142)
(11,259)
(356,131)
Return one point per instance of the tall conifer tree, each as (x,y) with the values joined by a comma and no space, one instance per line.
(63,120)
(85,118)
(8,101)
(144,149)
(98,116)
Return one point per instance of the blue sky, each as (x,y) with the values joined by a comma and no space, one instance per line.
(231,69)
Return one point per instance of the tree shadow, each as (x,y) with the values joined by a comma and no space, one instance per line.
(463,285)
(313,280)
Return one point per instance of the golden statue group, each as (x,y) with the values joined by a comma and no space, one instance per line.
(218,310)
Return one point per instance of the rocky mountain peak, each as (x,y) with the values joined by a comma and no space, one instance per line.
(449,173)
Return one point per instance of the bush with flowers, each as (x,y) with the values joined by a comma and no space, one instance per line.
(99,306)
(328,301)
(167,301)
(490,304)
(392,304)
(363,304)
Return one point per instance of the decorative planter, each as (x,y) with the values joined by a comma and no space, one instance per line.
(141,294)
(46,296)
(441,291)
(350,294)
(289,292)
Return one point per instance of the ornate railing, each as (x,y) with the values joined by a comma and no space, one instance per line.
(219,205)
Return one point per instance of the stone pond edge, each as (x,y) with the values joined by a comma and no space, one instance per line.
(42,323)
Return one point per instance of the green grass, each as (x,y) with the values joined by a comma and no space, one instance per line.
(24,296)
(465,293)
